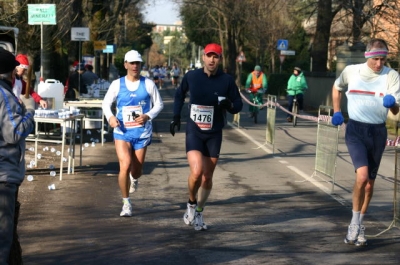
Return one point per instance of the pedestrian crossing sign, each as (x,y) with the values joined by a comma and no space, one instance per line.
(282,45)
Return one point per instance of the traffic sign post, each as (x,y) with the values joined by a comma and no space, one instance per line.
(100,45)
(282,45)
(80,34)
(282,58)
(41,14)
(288,52)
(241,58)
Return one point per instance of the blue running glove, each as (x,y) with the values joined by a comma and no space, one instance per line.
(389,101)
(337,118)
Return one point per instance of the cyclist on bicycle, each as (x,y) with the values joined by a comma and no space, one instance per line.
(257,84)
(296,85)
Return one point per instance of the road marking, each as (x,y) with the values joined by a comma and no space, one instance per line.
(309,179)
(294,169)
(261,146)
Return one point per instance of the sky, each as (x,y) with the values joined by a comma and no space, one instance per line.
(161,12)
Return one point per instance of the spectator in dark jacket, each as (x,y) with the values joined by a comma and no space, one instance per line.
(89,78)
(16,122)
(76,82)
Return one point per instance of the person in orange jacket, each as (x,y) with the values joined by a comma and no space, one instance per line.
(19,85)
(256,84)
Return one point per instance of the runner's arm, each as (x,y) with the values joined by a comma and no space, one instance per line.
(156,100)
(109,98)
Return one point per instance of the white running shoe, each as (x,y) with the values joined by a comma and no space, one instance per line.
(126,210)
(134,184)
(352,234)
(361,240)
(199,224)
(188,217)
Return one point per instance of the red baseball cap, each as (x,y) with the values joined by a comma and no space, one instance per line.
(23,61)
(213,48)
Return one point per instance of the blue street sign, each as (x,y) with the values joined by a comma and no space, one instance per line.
(282,45)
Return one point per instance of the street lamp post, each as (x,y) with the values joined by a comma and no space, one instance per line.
(169,53)
(167,40)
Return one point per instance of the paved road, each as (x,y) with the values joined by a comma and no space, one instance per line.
(264,207)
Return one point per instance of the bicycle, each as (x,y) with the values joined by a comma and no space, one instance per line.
(295,108)
(255,101)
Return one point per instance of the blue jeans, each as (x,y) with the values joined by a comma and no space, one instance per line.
(290,103)
(8,199)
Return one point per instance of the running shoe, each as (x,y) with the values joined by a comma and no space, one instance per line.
(188,217)
(126,210)
(199,224)
(352,234)
(361,240)
(134,184)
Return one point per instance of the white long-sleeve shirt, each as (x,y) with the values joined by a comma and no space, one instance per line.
(156,101)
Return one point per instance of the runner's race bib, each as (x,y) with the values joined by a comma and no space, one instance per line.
(128,116)
(202,116)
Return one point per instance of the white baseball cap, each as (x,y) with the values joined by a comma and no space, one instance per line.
(133,56)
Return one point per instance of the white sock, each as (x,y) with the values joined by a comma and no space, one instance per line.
(356,218)
(126,200)
(362,218)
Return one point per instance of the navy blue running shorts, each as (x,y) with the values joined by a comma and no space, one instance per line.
(366,143)
(209,144)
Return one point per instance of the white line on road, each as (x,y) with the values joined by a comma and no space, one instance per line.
(262,146)
(294,169)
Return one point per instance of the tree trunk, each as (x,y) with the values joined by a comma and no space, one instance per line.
(357,20)
(319,51)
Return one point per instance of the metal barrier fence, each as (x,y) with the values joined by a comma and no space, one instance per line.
(396,196)
(396,193)
(271,116)
(327,145)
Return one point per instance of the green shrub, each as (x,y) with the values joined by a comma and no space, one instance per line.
(277,84)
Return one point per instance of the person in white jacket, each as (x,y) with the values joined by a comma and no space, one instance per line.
(138,102)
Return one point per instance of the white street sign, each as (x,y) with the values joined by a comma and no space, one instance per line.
(80,34)
(288,52)
(42,14)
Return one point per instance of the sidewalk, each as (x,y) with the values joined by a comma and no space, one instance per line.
(259,212)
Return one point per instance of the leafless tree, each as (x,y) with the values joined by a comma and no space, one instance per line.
(105,19)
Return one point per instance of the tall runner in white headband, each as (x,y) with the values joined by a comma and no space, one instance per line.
(372,90)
